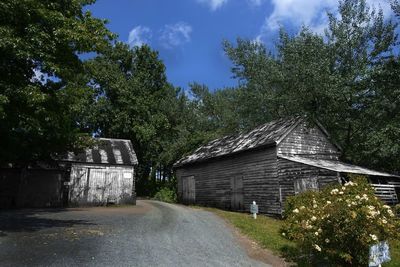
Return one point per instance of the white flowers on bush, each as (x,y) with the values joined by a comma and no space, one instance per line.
(319,225)
(350,183)
(334,191)
(373,237)
(364,197)
(317,247)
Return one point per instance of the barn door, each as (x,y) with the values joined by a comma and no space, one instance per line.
(97,188)
(78,187)
(237,193)
(112,187)
(188,190)
(301,185)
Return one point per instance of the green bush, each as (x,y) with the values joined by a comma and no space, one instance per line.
(339,223)
(166,195)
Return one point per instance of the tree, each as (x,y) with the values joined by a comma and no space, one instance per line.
(344,79)
(40,44)
(132,99)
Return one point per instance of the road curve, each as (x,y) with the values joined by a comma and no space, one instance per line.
(149,234)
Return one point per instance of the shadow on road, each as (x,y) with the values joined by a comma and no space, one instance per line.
(34,220)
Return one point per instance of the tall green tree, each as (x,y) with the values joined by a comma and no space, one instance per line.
(344,79)
(132,99)
(40,45)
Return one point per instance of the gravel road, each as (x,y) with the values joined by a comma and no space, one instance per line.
(149,234)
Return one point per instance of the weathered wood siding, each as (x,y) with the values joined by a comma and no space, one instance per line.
(258,169)
(308,142)
(289,172)
(99,184)
(31,188)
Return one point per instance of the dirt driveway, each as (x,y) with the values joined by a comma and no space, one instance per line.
(149,234)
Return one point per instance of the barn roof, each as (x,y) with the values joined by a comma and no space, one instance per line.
(336,166)
(270,133)
(106,151)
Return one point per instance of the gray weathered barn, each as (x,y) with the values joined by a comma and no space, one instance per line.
(102,174)
(266,165)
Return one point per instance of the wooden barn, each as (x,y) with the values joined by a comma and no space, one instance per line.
(103,174)
(266,165)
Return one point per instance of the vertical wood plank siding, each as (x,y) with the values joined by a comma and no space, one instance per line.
(289,171)
(308,142)
(213,180)
(98,184)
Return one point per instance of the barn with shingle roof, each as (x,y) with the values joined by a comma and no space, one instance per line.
(275,160)
(102,174)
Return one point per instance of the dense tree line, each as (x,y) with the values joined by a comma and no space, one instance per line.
(52,101)
(348,79)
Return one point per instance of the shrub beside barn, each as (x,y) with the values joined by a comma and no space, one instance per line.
(268,164)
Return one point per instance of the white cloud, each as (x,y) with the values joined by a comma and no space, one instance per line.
(255,3)
(177,34)
(139,36)
(213,4)
(297,12)
(311,13)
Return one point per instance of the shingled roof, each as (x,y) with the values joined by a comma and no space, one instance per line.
(270,133)
(107,151)
(337,166)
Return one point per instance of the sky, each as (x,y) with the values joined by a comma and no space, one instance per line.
(188,33)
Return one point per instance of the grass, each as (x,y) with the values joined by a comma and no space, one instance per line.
(265,231)
(394,254)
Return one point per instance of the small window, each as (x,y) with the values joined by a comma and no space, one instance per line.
(301,185)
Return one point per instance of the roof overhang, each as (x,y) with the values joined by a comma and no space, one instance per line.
(336,166)
(193,161)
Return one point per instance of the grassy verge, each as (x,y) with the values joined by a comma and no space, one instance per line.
(265,231)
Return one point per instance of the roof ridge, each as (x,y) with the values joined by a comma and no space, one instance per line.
(264,134)
(108,138)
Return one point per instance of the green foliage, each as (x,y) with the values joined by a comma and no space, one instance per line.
(132,99)
(40,44)
(347,79)
(339,223)
(166,194)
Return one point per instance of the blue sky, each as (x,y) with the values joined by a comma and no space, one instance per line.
(188,33)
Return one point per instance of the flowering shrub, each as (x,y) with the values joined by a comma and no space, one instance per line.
(339,223)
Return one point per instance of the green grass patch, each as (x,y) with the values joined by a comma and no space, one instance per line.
(265,231)
(394,254)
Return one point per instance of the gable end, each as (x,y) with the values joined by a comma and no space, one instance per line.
(306,141)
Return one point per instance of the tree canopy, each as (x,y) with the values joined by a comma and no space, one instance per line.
(40,44)
(347,79)
(53,101)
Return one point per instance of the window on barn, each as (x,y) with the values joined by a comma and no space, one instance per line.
(304,184)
